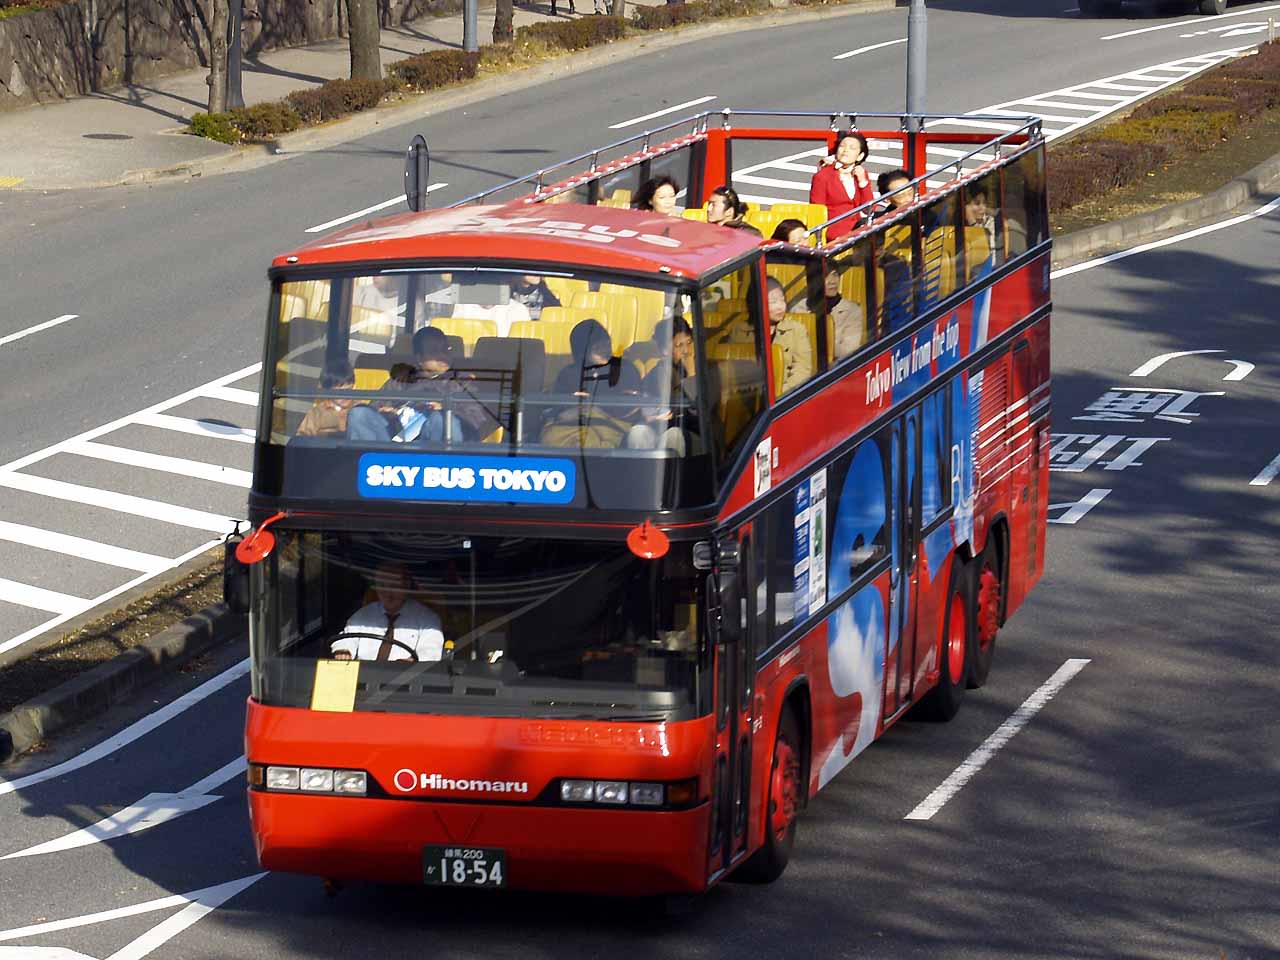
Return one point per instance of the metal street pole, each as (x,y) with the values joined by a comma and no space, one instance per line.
(917,61)
(235,95)
(470,27)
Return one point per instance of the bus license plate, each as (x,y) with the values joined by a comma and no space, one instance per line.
(464,867)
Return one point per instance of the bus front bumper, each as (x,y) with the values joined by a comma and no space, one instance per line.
(626,852)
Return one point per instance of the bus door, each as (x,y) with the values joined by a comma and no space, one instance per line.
(904,589)
(734,652)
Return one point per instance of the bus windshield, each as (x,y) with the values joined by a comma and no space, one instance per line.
(496,626)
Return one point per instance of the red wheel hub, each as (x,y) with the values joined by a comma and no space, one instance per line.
(783,788)
(956,627)
(988,606)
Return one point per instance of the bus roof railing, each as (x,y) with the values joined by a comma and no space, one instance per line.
(1029,126)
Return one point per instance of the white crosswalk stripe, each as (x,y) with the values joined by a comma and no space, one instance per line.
(185,484)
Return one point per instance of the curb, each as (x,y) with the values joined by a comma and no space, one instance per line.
(1119,234)
(117,679)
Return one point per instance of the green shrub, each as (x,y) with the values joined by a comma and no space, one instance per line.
(337,98)
(214,126)
(694,11)
(1177,128)
(438,68)
(589,31)
(1249,97)
(1086,169)
(265,121)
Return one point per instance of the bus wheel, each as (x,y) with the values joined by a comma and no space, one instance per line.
(943,701)
(1099,8)
(767,863)
(986,615)
(1212,8)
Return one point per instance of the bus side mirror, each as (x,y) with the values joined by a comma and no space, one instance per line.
(235,577)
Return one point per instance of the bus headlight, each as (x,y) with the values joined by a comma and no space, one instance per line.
(647,794)
(577,791)
(350,781)
(317,780)
(611,791)
(282,778)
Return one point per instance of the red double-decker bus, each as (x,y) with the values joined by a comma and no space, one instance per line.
(593,541)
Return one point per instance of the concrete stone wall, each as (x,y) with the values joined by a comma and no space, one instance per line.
(91,45)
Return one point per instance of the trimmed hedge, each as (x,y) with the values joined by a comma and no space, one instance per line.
(337,98)
(437,68)
(215,126)
(265,121)
(1092,168)
(694,11)
(588,31)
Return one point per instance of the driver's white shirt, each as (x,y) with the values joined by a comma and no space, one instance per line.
(417,627)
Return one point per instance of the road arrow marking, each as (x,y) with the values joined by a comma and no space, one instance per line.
(151,811)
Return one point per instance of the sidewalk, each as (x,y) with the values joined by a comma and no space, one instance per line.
(107,137)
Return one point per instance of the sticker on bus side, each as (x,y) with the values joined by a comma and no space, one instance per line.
(423,476)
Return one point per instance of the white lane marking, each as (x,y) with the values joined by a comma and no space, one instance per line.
(1155,363)
(119,502)
(80,547)
(1075,512)
(197,469)
(1267,475)
(233,395)
(1167,241)
(151,811)
(199,428)
(131,733)
(196,905)
(50,601)
(1253,12)
(874,46)
(661,113)
(1060,105)
(1242,369)
(1003,734)
(42,953)
(9,338)
(321,227)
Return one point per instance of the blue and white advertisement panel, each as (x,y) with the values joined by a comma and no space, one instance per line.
(544,481)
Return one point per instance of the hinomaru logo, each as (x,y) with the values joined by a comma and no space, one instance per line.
(407,781)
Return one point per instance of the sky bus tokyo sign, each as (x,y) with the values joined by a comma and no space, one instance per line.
(565,229)
(416,476)
(407,781)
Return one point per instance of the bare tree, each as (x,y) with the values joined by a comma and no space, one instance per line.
(218,19)
(503,29)
(618,8)
(366,61)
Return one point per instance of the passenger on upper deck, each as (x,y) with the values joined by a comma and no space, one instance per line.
(533,292)
(892,195)
(673,382)
(791,230)
(797,354)
(393,627)
(982,233)
(382,292)
(329,414)
(607,392)
(724,207)
(842,182)
(659,195)
(848,321)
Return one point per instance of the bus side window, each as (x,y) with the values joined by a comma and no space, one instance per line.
(846,300)
(936,462)
(939,256)
(1024,202)
(983,226)
(731,344)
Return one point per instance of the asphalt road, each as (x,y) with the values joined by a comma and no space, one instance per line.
(1134,816)
(163,284)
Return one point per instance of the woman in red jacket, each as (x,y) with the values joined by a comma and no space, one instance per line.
(842,183)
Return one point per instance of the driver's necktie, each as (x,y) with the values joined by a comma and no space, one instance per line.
(388,638)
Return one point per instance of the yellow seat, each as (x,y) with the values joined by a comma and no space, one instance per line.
(371,378)
(564,287)
(695,213)
(730,350)
(470,330)
(621,194)
(377,326)
(617,311)
(616,204)
(553,331)
(763,220)
(811,214)
(939,254)
(977,250)
(897,242)
(778,369)
(292,305)
(652,305)
(792,278)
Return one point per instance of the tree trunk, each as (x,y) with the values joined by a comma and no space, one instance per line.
(503,30)
(618,8)
(366,62)
(218,20)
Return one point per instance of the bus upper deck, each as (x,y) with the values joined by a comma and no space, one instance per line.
(644,349)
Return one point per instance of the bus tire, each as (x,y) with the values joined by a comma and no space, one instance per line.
(767,864)
(956,649)
(1213,8)
(1099,8)
(988,594)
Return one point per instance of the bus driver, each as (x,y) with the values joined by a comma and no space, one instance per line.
(391,617)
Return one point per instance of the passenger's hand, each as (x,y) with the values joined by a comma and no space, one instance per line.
(860,174)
